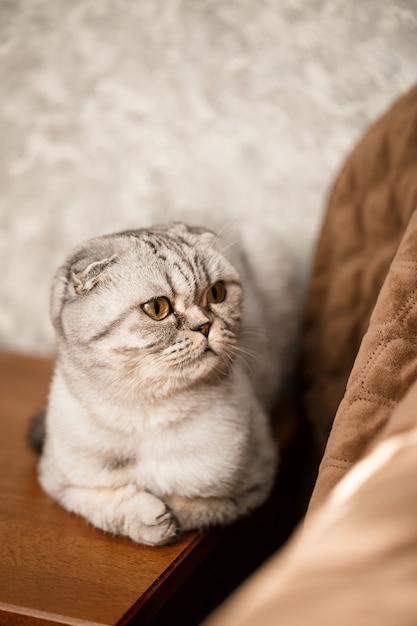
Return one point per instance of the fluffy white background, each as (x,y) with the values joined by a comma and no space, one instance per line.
(117,113)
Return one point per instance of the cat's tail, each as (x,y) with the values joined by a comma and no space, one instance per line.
(37,431)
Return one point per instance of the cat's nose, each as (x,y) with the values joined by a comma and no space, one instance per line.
(204,328)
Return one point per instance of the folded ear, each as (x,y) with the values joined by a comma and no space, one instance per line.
(205,235)
(87,279)
(81,272)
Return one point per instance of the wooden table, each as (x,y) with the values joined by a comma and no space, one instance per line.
(54,568)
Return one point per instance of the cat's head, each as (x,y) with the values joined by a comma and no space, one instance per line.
(157,308)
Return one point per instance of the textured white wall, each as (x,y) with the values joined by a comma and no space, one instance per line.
(117,113)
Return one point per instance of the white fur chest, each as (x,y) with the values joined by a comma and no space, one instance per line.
(187,447)
(200,454)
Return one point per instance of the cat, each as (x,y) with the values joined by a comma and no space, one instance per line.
(171,347)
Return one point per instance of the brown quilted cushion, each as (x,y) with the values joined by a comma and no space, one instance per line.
(384,370)
(367,214)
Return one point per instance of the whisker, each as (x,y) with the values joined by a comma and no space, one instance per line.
(246,352)
(229,246)
(226,224)
(241,359)
(255,332)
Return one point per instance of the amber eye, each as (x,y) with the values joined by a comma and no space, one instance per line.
(216,293)
(158,308)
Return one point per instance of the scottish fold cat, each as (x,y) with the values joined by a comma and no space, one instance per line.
(172,344)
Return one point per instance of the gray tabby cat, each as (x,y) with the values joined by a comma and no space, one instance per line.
(157,416)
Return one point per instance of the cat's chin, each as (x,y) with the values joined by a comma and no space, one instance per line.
(207,368)
(211,365)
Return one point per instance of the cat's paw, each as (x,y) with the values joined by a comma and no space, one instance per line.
(126,511)
(200,513)
(150,521)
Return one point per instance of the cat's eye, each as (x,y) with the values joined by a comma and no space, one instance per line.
(157,308)
(216,293)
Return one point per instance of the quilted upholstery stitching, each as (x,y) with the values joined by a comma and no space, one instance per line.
(405,311)
(374,398)
(393,341)
(343,465)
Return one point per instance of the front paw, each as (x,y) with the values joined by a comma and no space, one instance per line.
(199,513)
(148,520)
(125,511)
